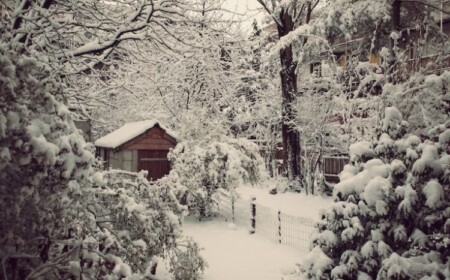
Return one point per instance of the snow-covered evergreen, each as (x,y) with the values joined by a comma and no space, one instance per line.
(390,219)
(43,158)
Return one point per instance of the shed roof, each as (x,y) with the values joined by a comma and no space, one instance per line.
(128,132)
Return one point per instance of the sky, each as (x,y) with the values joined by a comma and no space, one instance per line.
(242,5)
(247,8)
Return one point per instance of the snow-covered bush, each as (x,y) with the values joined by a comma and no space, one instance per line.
(199,168)
(391,216)
(141,223)
(42,158)
(423,100)
(60,220)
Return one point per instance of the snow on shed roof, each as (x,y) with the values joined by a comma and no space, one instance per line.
(128,132)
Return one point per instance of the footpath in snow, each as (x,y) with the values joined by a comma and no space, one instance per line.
(235,254)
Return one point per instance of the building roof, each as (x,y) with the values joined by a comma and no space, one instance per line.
(128,132)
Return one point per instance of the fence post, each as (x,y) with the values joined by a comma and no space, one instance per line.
(232,209)
(253,216)
(279,226)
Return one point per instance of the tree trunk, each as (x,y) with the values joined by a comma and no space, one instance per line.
(395,21)
(396,9)
(291,137)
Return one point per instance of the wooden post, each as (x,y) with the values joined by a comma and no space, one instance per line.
(279,226)
(253,216)
(232,209)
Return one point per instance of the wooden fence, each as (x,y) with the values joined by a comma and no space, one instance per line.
(332,166)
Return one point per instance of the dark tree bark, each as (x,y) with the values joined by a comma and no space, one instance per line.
(396,8)
(287,18)
(291,137)
(395,21)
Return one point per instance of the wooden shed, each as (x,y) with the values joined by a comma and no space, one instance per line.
(138,146)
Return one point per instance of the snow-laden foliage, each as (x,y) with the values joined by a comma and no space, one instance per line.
(60,219)
(142,223)
(391,48)
(379,20)
(200,168)
(391,215)
(87,33)
(422,100)
(211,81)
(99,48)
(42,158)
(315,110)
(169,87)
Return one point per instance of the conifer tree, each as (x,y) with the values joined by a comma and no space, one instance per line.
(391,216)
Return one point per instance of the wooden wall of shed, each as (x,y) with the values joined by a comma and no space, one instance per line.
(155,139)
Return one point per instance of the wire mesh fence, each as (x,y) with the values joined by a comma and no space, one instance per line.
(296,231)
(266,223)
(274,225)
(242,212)
(224,204)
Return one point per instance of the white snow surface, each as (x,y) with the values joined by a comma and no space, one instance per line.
(295,204)
(317,261)
(360,149)
(434,193)
(234,253)
(128,132)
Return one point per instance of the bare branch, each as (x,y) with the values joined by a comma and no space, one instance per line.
(427,4)
(269,12)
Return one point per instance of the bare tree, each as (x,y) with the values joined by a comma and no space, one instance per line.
(85,41)
(287,16)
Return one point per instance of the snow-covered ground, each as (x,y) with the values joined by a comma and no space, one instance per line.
(295,204)
(234,253)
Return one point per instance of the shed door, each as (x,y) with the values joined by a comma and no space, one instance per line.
(155,161)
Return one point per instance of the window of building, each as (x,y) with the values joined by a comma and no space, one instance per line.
(316,69)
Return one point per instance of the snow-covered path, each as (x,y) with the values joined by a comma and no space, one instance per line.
(234,254)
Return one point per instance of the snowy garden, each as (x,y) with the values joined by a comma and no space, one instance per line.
(225,139)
